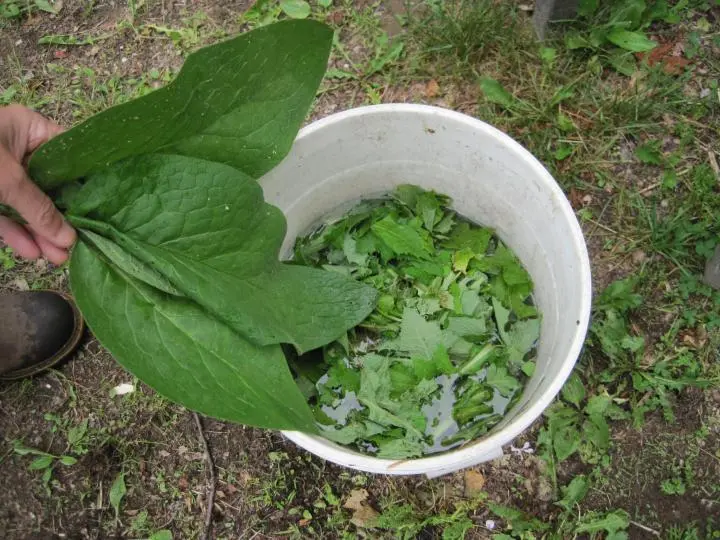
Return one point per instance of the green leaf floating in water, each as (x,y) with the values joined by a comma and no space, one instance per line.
(451,343)
(176,270)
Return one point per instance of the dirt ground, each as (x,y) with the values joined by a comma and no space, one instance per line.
(267,487)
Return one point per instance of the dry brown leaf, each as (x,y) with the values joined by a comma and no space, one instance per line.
(657,54)
(432,89)
(336,17)
(576,197)
(696,339)
(669,55)
(356,499)
(474,482)
(675,65)
(231,489)
(363,515)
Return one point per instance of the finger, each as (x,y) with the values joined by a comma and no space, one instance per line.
(25,130)
(50,251)
(19,192)
(18,238)
(41,130)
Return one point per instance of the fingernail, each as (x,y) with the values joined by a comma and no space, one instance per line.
(66,237)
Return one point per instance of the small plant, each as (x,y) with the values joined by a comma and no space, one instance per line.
(43,461)
(651,383)
(264,12)
(617,30)
(7,260)
(673,486)
(13,9)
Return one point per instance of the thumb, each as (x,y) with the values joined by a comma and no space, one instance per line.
(19,192)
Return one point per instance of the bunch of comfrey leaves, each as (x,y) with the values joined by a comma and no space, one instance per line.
(450,343)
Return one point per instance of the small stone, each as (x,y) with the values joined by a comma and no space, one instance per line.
(432,89)
(20,284)
(639,256)
(712,270)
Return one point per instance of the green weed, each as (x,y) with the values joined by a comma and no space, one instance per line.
(44,461)
(403,521)
(15,9)
(616,30)
(7,259)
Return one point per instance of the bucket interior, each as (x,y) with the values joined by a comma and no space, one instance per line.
(491,180)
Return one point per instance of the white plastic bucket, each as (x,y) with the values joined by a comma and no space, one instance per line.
(365,152)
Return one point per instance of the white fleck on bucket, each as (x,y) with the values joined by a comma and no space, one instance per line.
(365,152)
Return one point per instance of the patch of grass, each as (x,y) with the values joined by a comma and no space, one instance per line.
(467,31)
(692,531)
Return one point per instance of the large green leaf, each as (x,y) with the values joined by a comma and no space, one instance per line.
(171,344)
(205,228)
(239,102)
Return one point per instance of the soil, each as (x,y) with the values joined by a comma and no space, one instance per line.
(659,451)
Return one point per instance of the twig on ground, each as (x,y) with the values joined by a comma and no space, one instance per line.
(603,227)
(645,528)
(210,465)
(599,218)
(649,188)
(713,163)
(709,454)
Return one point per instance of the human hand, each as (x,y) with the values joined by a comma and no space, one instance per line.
(46,233)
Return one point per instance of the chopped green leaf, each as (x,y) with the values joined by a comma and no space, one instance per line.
(402,239)
(400,448)
(418,337)
(296,9)
(475,239)
(498,377)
